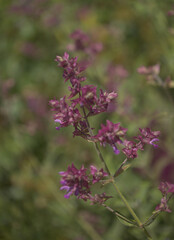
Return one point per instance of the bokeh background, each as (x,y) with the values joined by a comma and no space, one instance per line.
(32,152)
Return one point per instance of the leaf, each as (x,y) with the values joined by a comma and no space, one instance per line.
(124,222)
(122,169)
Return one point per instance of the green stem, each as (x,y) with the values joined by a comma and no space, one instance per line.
(127,204)
(119,215)
(117,189)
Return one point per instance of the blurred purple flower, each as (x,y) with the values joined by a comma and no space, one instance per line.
(29,49)
(165,188)
(82,42)
(152,70)
(170,13)
(117,72)
(148,137)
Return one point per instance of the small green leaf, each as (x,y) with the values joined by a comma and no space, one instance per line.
(122,169)
(129,224)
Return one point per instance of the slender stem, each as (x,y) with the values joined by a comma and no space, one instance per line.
(95,144)
(127,205)
(151,218)
(114,183)
(119,215)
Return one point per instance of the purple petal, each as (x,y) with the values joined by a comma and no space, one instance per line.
(116,151)
(154,140)
(65,188)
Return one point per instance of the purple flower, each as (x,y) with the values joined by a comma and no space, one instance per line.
(81,40)
(152,70)
(111,134)
(64,114)
(75,181)
(88,99)
(130,149)
(170,13)
(97,174)
(71,69)
(163,205)
(165,188)
(102,102)
(99,198)
(148,137)
(78,182)
(94,48)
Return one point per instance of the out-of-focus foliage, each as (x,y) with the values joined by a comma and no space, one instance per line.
(32,152)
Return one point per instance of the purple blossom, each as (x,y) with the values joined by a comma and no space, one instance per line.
(130,149)
(148,137)
(163,205)
(170,13)
(111,134)
(152,70)
(95,105)
(75,181)
(97,174)
(64,114)
(94,48)
(82,42)
(99,198)
(71,69)
(165,188)
(103,102)
(78,182)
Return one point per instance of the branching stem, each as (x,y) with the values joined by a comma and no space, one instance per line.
(114,183)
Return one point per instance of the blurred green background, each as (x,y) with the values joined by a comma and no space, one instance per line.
(32,152)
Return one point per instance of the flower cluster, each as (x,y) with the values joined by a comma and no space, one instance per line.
(83,102)
(83,43)
(151,72)
(77,182)
(166,188)
(146,137)
(81,98)
(113,134)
